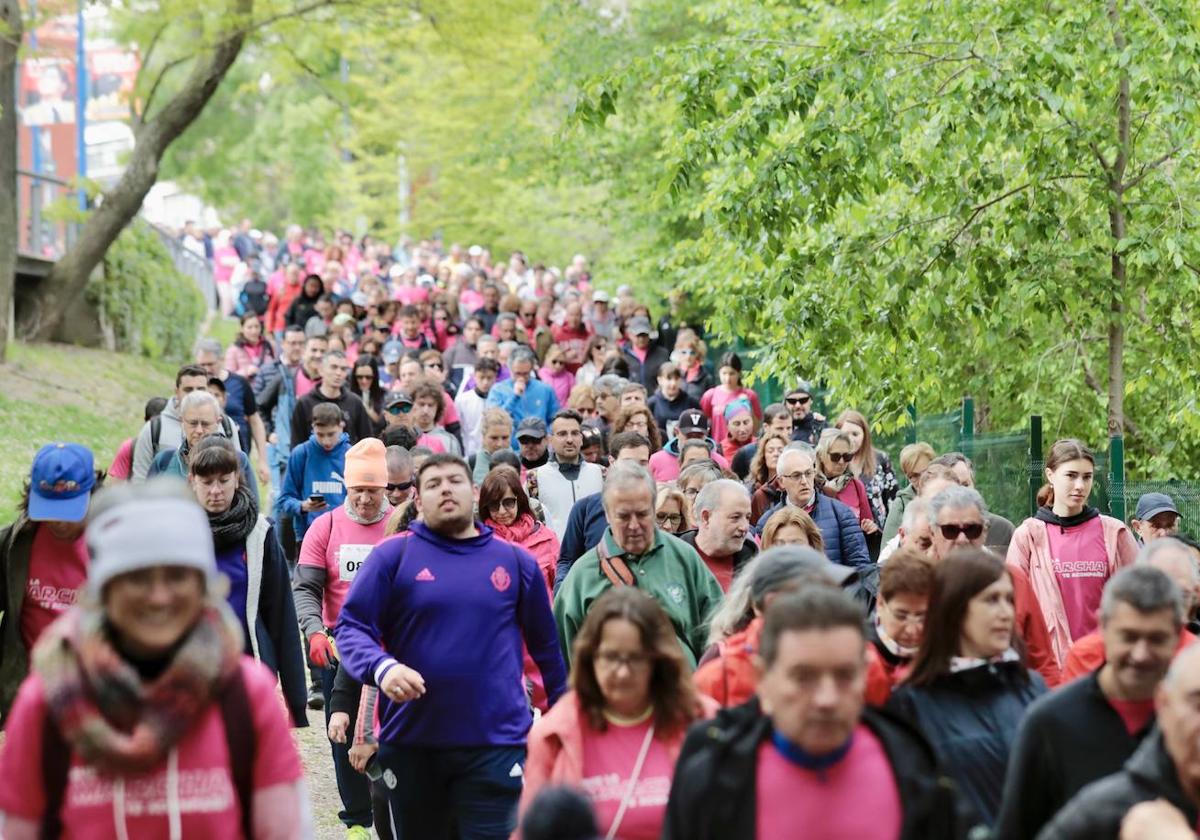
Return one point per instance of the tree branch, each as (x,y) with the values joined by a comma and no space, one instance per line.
(1146,169)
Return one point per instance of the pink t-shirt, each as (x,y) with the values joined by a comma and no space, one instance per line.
(856,799)
(338,545)
(122,465)
(57,573)
(665,467)
(608,761)
(207,799)
(713,404)
(304,384)
(1081,567)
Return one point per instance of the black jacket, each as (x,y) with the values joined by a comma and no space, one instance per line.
(1096,812)
(971,718)
(646,372)
(668,411)
(358,422)
(713,792)
(1068,740)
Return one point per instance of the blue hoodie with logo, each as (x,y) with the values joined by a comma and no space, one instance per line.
(456,611)
(312,470)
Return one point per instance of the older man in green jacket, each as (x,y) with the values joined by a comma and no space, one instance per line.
(635,553)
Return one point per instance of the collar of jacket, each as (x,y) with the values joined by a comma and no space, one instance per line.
(1152,765)
(615,550)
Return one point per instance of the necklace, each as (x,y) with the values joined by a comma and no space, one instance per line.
(621,720)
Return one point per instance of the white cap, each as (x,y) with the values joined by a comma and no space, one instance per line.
(145,532)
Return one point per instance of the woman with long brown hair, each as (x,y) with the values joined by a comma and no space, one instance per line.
(871,465)
(640,419)
(617,734)
(764,488)
(1068,548)
(968,689)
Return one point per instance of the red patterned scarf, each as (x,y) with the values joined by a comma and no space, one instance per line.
(114,720)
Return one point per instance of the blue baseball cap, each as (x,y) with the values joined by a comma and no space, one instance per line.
(61,482)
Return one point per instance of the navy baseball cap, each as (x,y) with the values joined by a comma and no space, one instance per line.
(531,427)
(61,482)
(1151,505)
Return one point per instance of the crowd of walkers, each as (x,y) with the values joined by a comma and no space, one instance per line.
(551,572)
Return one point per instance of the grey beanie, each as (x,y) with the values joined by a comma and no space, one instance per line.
(139,527)
(785,563)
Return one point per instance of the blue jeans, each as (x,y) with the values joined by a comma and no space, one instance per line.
(353,787)
(464,793)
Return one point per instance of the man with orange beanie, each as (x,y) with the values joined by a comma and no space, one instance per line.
(335,546)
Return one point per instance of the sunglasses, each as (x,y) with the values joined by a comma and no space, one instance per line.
(402,486)
(403,408)
(972,530)
(507,504)
(798,400)
(434,365)
(841,457)
(367,376)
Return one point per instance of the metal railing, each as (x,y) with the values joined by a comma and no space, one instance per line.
(44,205)
(191,264)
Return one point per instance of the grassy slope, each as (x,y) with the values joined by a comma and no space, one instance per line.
(52,392)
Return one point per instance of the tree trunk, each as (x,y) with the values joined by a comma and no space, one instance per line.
(11,31)
(1118,229)
(119,205)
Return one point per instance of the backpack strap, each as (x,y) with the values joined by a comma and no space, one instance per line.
(240,739)
(56,764)
(155,433)
(614,568)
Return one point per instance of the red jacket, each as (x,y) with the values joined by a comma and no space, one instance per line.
(731,679)
(1087,654)
(1031,627)
(278,306)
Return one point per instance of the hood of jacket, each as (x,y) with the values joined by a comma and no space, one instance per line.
(452,546)
(1047,515)
(672,446)
(171,409)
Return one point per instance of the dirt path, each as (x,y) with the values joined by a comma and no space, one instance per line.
(318,775)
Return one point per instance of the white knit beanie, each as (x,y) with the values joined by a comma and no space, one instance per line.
(140,533)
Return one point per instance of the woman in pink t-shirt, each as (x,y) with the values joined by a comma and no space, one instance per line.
(1068,549)
(140,716)
(714,401)
(617,734)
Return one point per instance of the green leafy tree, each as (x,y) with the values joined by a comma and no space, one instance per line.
(915,200)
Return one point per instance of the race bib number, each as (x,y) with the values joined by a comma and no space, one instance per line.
(350,560)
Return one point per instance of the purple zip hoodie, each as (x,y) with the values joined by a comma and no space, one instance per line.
(456,611)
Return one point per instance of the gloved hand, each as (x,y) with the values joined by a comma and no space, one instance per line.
(320,651)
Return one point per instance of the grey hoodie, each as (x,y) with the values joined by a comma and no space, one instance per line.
(170,436)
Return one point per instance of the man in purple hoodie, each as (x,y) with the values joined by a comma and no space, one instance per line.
(436,619)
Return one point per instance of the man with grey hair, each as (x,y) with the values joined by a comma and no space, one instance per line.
(401,484)
(607,389)
(200,416)
(1090,728)
(1165,766)
(722,533)
(164,431)
(999,529)
(840,528)
(633,552)
(1171,557)
(915,530)
(522,396)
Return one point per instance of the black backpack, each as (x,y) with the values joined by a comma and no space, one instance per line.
(240,738)
(254,297)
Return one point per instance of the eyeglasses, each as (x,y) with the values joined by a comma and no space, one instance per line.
(401,487)
(403,408)
(686,352)
(366,376)
(506,504)
(841,457)
(806,475)
(972,530)
(433,365)
(905,617)
(199,424)
(798,400)
(668,518)
(632,661)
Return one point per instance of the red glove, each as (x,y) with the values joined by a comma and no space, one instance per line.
(320,651)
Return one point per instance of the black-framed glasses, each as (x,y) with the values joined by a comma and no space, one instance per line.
(664,518)
(951,530)
(401,487)
(798,400)
(633,661)
(434,365)
(841,457)
(367,376)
